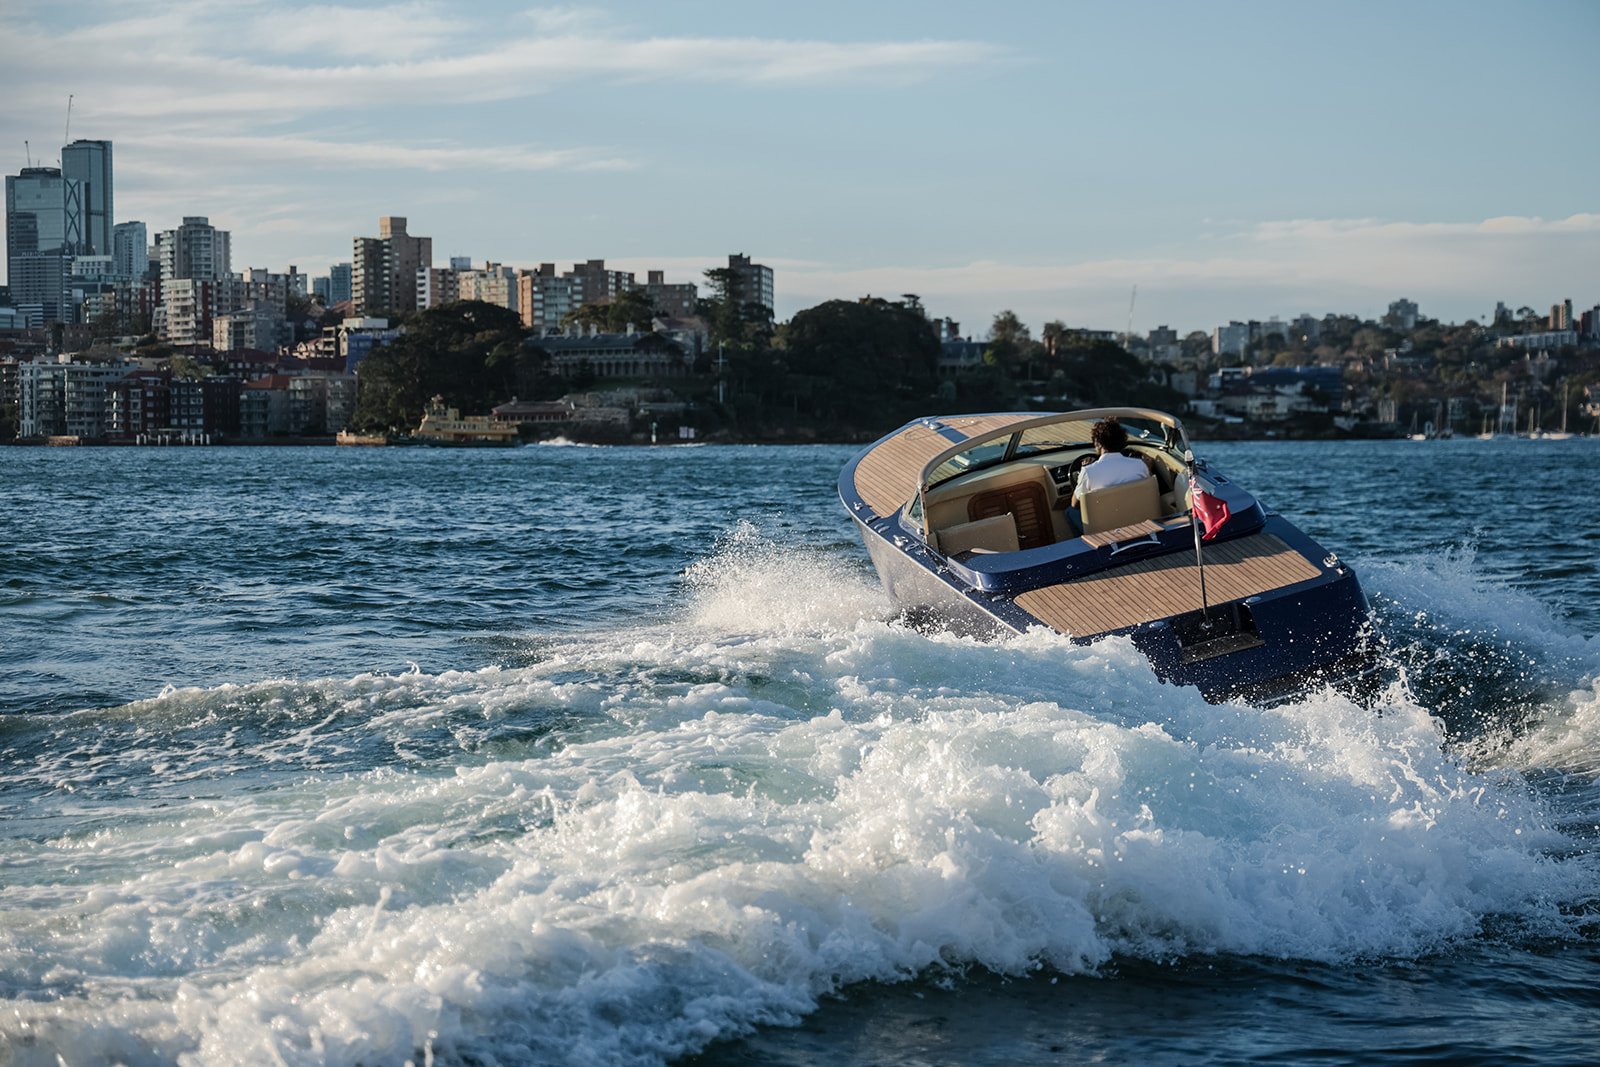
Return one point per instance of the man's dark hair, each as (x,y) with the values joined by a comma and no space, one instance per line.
(1109,436)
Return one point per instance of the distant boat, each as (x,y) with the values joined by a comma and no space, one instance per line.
(1561,434)
(447,426)
(360,440)
(1488,434)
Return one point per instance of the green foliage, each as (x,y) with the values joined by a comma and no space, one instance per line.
(633,308)
(855,361)
(184,368)
(1103,374)
(471,353)
(1011,345)
(732,324)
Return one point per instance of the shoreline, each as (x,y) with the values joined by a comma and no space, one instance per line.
(644,442)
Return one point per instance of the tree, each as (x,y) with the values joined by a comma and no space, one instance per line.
(1008,329)
(861,362)
(720,309)
(1051,335)
(296,310)
(1010,344)
(471,353)
(186,368)
(633,308)
(1103,373)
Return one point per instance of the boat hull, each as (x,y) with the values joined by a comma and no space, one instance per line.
(1277,612)
(1264,646)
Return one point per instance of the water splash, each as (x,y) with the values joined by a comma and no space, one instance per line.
(753,582)
(645,838)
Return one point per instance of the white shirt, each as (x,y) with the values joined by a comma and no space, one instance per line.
(1113,468)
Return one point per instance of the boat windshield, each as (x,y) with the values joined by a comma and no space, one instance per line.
(1078,435)
(985,455)
(1036,440)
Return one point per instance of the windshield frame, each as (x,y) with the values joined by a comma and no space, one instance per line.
(1174,441)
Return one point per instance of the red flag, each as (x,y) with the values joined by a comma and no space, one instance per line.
(1209,511)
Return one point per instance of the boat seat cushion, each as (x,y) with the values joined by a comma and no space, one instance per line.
(1027,505)
(997,534)
(1120,505)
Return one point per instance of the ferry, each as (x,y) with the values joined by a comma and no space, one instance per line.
(446,426)
(971,523)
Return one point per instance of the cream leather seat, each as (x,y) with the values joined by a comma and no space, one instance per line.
(1120,505)
(997,534)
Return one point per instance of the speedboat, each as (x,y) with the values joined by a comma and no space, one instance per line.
(966,520)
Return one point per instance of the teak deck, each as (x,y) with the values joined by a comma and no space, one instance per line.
(1142,528)
(887,476)
(1167,585)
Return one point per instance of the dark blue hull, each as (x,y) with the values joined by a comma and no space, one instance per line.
(1260,647)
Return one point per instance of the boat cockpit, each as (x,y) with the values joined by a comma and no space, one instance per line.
(1011,490)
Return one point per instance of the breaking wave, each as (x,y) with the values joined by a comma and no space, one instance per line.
(647,838)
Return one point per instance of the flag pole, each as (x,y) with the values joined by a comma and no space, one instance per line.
(1199,554)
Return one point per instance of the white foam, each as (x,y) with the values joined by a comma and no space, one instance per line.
(564,442)
(781,795)
(1451,591)
(753,584)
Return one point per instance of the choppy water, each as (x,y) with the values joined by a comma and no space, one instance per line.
(594,756)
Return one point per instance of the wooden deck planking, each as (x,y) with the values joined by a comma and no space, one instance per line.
(1142,528)
(887,476)
(1169,585)
(973,425)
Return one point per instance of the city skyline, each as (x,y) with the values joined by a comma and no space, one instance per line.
(1233,162)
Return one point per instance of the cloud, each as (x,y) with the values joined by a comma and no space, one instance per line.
(1456,269)
(249,152)
(264,63)
(386,33)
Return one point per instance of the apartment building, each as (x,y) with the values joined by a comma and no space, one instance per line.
(383,269)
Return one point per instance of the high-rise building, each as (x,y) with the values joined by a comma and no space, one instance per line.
(494,284)
(1403,314)
(195,250)
(338,283)
(44,230)
(544,299)
(596,284)
(89,164)
(674,299)
(195,258)
(383,270)
(752,283)
(130,249)
(1230,340)
(437,286)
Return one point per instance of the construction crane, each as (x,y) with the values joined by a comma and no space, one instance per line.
(1127,338)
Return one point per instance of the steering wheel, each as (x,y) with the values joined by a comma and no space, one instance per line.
(1074,468)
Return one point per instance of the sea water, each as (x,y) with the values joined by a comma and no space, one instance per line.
(619,756)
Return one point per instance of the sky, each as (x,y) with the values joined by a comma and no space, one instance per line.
(1181,164)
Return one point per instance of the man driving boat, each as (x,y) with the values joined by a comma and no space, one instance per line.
(1110,468)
